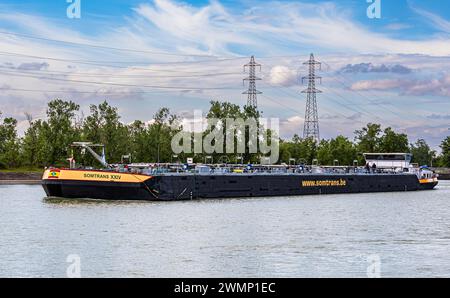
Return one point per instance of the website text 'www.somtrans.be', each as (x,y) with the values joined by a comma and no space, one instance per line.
(314,183)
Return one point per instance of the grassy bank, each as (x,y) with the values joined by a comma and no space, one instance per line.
(23,170)
(21,176)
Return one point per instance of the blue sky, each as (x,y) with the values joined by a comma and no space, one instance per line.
(115,11)
(393,70)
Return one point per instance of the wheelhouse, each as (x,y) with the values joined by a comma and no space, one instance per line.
(389,160)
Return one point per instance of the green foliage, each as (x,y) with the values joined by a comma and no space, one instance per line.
(341,150)
(445,146)
(9,144)
(368,138)
(422,153)
(372,139)
(103,126)
(145,143)
(139,140)
(224,112)
(302,150)
(34,144)
(47,142)
(324,154)
(59,131)
(393,142)
(159,135)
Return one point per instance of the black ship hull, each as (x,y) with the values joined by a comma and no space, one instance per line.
(190,187)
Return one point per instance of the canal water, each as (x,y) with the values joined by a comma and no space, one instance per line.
(357,235)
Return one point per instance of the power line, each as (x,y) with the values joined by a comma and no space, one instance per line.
(280,104)
(99,92)
(87,74)
(101,46)
(29,36)
(294,95)
(361,94)
(86,62)
(371,101)
(346,87)
(352,106)
(381,104)
(117,84)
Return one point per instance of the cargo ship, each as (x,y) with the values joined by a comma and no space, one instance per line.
(383,172)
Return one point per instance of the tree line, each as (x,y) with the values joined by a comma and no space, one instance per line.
(47,142)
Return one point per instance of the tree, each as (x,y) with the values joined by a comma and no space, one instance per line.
(250,136)
(302,150)
(340,149)
(368,138)
(324,154)
(34,144)
(393,142)
(46,142)
(160,134)
(139,136)
(145,142)
(422,154)
(103,126)
(59,130)
(114,134)
(223,112)
(343,150)
(92,125)
(9,144)
(445,146)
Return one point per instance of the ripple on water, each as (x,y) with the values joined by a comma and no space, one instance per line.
(318,236)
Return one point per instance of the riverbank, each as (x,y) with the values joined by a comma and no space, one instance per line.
(23,178)
(444,173)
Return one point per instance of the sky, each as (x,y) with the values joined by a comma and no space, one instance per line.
(141,55)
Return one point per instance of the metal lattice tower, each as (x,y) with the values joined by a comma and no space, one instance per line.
(311,128)
(252,100)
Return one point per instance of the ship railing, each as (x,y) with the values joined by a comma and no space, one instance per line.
(203,169)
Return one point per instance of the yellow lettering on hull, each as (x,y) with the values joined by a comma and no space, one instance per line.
(324,183)
(82,175)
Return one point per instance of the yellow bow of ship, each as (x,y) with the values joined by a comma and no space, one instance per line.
(92,175)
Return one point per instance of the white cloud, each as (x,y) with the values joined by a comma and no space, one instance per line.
(436,86)
(213,29)
(290,126)
(283,76)
(376,84)
(203,29)
(437,21)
